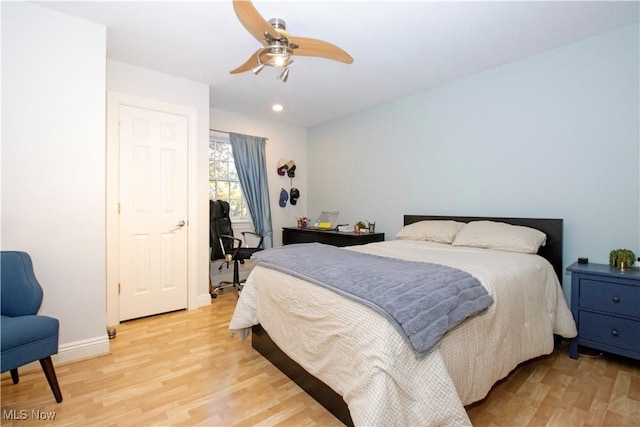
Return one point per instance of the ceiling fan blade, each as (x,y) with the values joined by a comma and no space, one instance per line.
(251,63)
(253,21)
(313,47)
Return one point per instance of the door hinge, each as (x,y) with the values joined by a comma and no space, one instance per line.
(118,208)
(118,288)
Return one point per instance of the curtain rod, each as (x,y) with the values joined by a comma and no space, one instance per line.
(224,131)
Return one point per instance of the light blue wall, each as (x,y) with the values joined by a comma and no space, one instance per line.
(555,135)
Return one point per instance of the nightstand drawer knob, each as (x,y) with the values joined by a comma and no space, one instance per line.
(615,299)
(614,332)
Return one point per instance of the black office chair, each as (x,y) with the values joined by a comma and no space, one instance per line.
(239,252)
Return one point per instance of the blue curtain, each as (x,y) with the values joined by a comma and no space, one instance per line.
(249,156)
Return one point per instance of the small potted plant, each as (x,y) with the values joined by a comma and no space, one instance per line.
(621,258)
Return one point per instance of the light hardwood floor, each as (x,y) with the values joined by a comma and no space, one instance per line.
(183,369)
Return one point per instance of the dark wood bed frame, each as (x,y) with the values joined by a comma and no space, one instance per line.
(324,394)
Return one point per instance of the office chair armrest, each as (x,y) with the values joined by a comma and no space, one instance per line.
(234,239)
(255,234)
(224,236)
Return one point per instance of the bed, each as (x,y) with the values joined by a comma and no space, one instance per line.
(353,361)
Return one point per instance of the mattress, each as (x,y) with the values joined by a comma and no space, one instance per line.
(359,354)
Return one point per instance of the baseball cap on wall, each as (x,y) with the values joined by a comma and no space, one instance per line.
(284,196)
(294,194)
(291,169)
(282,167)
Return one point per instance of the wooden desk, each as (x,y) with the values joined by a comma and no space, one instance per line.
(336,238)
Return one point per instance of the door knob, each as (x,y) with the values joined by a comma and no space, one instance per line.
(181,223)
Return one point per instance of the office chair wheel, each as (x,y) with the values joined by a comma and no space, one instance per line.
(214,295)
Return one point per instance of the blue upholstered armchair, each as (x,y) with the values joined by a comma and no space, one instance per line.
(26,336)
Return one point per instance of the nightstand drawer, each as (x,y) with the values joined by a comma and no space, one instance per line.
(610,297)
(609,330)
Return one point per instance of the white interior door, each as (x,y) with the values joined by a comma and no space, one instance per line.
(153,212)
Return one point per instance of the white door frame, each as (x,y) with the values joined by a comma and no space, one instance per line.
(114,102)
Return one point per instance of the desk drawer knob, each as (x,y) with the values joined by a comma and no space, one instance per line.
(615,299)
(614,332)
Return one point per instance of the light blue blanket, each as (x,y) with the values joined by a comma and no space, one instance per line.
(422,300)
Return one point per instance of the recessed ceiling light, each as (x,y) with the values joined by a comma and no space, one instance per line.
(277,108)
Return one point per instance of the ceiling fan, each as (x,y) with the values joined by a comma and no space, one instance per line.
(278,46)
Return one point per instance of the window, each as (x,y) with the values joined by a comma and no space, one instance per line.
(223,178)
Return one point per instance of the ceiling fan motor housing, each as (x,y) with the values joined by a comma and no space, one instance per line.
(278,23)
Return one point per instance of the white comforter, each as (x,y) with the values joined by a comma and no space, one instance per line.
(359,354)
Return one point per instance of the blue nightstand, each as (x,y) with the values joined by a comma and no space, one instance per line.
(605,303)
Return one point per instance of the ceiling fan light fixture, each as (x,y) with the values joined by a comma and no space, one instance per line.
(278,55)
(284,75)
(256,70)
(280,60)
(275,56)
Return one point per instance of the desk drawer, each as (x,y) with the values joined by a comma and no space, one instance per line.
(609,330)
(610,297)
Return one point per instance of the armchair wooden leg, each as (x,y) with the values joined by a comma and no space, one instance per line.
(14,376)
(50,373)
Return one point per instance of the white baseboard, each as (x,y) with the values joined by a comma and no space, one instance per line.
(203,300)
(72,352)
(91,347)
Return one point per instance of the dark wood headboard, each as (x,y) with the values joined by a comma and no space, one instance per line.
(552,250)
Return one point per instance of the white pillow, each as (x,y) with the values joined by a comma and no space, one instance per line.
(501,236)
(440,231)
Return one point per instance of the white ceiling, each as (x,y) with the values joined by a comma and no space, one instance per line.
(399,47)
